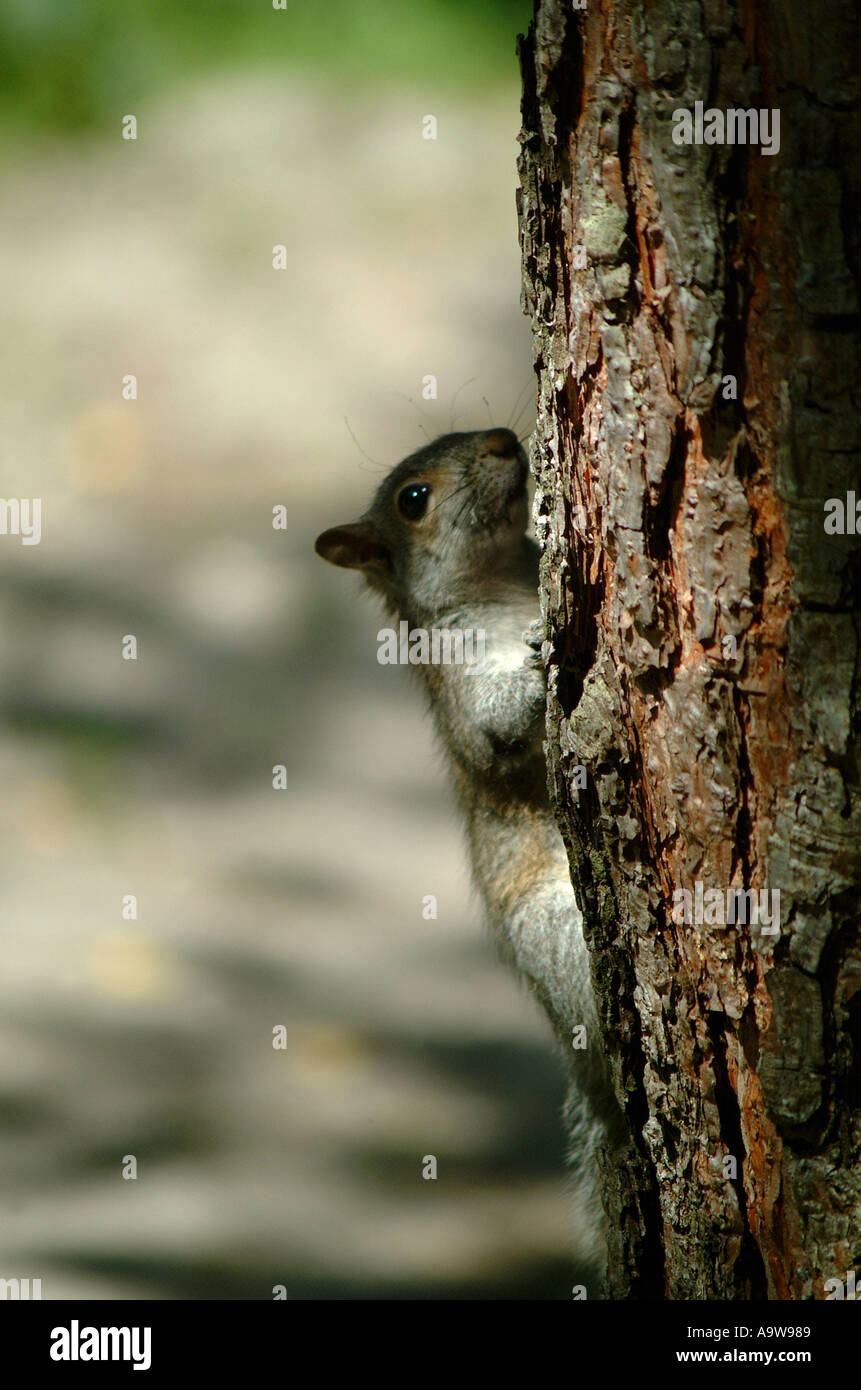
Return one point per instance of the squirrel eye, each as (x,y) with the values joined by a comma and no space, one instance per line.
(413,501)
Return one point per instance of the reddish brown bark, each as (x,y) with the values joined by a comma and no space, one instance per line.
(680,520)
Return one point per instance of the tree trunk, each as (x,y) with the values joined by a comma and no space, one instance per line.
(696,316)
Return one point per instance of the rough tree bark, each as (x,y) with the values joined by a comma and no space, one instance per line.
(704,626)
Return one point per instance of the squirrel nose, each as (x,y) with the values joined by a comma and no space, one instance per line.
(502,443)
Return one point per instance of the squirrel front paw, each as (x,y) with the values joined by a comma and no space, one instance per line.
(534,639)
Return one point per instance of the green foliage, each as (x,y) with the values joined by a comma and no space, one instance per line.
(68,65)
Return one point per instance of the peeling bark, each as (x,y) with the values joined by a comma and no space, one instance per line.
(703,627)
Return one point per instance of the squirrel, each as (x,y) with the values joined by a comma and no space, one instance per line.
(444,544)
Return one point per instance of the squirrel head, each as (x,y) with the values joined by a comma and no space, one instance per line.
(444,527)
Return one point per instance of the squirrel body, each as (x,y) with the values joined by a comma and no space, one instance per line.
(444,544)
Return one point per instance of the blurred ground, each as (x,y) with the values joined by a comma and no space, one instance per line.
(256,908)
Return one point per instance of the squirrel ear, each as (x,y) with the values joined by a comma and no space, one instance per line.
(351,547)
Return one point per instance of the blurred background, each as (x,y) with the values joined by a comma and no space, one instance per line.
(151,1036)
